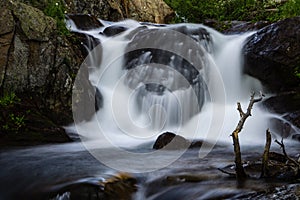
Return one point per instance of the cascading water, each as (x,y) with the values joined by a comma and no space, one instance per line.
(151,83)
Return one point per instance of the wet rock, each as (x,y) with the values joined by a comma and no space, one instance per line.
(170,141)
(282,127)
(85,22)
(283,103)
(272,55)
(237,27)
(286,104)
(113,30)
(296,137)
(121,186)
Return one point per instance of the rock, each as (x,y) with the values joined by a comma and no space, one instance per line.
(7,24)
(40,66)
(34,24)
(113,30)
(272,55)
(237,27)
(283,102)
(296,137)
(85,22)
(170,141)
(156,11)
(287,105)
(120,186)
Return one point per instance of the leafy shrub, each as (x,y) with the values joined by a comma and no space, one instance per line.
(223,10)
(56,10)
(11,119)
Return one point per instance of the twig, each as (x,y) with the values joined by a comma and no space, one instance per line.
(281,144)
(265,159)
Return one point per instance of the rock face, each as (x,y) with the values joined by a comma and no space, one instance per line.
(273,55)
(39,65)
(156,11)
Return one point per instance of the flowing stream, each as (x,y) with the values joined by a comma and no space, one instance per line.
(184,78)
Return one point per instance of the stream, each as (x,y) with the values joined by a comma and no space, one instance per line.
(50,172)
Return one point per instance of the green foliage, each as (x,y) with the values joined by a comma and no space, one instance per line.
(56,10)
(297,72)
(18,121)
(9,99)
(290,9)
(11,119)
(227,10)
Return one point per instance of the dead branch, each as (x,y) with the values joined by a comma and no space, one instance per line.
(281,144)
(240,172)
(265,159)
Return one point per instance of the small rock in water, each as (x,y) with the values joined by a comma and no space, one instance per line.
(113,30)
(171,141)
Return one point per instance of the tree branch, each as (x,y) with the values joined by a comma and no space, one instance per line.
(281,144)
(240,172)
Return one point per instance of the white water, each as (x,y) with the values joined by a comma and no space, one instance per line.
(131,116)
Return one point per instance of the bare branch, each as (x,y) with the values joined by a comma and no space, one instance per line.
(240,172)
(281,144)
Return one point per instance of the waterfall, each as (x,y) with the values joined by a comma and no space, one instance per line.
(185,78)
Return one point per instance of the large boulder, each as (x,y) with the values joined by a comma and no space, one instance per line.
(39,66)
(273,55)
